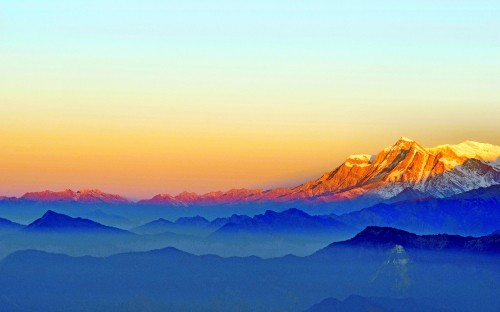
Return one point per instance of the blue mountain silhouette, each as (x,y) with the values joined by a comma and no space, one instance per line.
(56,222)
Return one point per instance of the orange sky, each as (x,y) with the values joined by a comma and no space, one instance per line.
(231,95)
(143,159)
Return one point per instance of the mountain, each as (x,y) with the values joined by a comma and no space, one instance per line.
(83,196)
(53,222)
(406,169)
(168,279)
(386,238)
(440,171)
(219,222)
(192,221)
(188,225)
(155,227)
(7,226)
(402,171)
(291,221)
(211,198)
(475,212)
(197,226)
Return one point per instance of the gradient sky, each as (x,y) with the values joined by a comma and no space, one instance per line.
(147,97)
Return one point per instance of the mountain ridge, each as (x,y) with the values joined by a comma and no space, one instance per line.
(388,237)
(406,165)
(441,171)
(68,195)
(52,221)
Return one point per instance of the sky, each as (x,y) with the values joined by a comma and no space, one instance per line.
(147,97)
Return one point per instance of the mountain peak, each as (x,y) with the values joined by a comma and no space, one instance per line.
(52,221)
(405,143)
(405,139)
(51,214)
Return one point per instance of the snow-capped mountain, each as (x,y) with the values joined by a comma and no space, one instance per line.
(406,166)
(440,171)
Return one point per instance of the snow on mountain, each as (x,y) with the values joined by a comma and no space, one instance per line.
(439,171)
(469,149)
(358,160)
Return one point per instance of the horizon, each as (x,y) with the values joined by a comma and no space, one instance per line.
(161,97)
(135,200)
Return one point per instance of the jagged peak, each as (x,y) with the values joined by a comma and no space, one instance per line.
(406,143)
(405,139)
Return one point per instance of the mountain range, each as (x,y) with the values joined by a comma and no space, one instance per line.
(405,169)
(474,212)
(378,262)
(188,225)
(440,171)
(83,196)
(291,221)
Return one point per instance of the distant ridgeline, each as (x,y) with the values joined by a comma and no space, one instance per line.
(402,171)
(380,268)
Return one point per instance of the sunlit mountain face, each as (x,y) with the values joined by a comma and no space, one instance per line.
(439,171)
